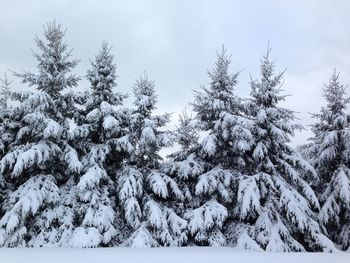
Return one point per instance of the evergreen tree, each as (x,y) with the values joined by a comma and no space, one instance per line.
(275,204)
(5,92)
(5,135)
(186,135)
(184,166)
(39,161)
(209,168)
(146,195)
(329,152)
(101,140)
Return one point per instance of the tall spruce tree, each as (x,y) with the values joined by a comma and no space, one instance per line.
(5,136)
(209,168)
(5,95)
(329,152)
(5,92)
(101,140)
(186,135)
(38,160)
(184,166)
(275,205)
(146,195)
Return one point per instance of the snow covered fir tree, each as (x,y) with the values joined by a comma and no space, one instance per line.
(207,169)
(275,206)
(5,138)
(5,92)
(100,139)
(5,96)
(146,195)
(34,165)
(329,152)
(83,166)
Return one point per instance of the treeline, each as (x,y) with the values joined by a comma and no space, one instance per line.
(80,169)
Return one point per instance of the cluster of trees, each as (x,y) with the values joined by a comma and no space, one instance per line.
(80,169)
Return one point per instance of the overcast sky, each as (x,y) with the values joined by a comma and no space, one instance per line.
(176,42)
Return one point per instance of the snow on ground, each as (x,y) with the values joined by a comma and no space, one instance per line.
(161,255)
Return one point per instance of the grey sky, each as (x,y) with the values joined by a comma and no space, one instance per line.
(176,41)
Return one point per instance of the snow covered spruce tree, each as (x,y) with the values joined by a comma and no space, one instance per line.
(101,140)
(329,152)
(5,135)
(38,160)
(186,135)
(275,204)
(146,195)
(5,92)
(209,168)
(184,166)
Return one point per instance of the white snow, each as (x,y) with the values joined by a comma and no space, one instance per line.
(162,255)
(209,144)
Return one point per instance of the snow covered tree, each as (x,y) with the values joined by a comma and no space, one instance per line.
(187,135)
(146,195)
(5,135)
(54,63)
(38,160)
(5,96)
(101,141)
(5,92)
(329,152)
(208,169)
(222,115)
(275,206)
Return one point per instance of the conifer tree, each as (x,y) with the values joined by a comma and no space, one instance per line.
(38,161)
(187,135)
(5,136)
(5,92)
(183,165)
(145,193)
(101,140)
(275,205)
(209,168)
(329,152)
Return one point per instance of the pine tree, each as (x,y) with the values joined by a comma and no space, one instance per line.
(209,168)
(329,152)
(101,140)
(5,92)
(146,195)
(221,114)
(39,161)
(186,135)
(5,136)
(184,166)
(275,204)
